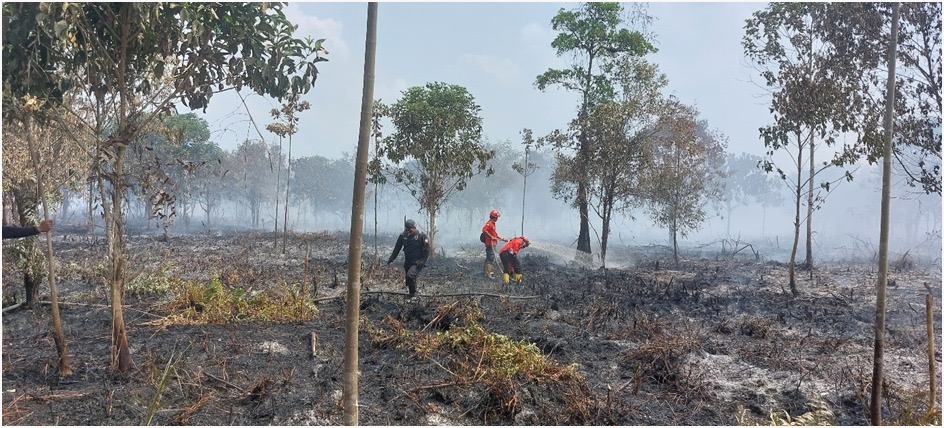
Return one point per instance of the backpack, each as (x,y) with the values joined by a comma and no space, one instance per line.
(482,237)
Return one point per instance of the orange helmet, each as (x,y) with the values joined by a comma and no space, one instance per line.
(494,214)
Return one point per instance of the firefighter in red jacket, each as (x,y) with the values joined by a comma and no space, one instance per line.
(509,258)
(491,239)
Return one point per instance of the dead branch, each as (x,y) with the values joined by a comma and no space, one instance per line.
(441,385)
(400,293)
(12,307)
(225,382)
(440,315)
(95,305)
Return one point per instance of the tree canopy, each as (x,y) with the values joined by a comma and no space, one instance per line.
(436,146)
(595,34)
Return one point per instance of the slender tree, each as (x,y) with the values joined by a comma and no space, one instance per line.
(288,127)
(481,194)
(881,283)
(43,174)
(352,322)
(525,168)
(813,96)
(685,173)
(374,170)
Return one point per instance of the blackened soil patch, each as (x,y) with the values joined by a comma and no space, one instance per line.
(713,342)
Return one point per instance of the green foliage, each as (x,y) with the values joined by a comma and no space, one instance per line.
(686,172)
(175,165)
(214,303)
(186,130)
(623,132)
(153,282)
(437,146)
(503,358)
(592,33)
(825,65)
(439,129)
(50,48)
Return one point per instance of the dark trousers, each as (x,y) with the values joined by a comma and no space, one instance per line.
(489,253)
(412,272)
(510,262)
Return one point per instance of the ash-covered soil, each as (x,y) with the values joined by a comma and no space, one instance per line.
(716,341)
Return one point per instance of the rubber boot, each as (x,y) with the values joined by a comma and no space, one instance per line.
(489,270)
(505,278)
(518,277)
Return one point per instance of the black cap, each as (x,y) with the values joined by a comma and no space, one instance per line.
(409,224)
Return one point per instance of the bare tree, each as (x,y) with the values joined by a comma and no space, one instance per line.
(287,127)
(875,405)
(352,322)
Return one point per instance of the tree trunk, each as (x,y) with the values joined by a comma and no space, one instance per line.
(875,404)
(583,155)
(524,188)
(30,289)
(350,386)
(809,211)
(604,237)
(432,232)
(278,184)
(121,356)
(796,219)
(288,175)
(376,250)
(90,222)
(65,366)
(583,239)
(24,206)
(675,243)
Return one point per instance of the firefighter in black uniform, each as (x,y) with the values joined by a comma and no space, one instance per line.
(415,246)
(12,232)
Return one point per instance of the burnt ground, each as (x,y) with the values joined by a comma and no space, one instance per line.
(717,341)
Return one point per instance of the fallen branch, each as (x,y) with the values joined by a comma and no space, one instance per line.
(441,385)
(12,307)
(400,293)
(96,305)
(439,316)
(227,383)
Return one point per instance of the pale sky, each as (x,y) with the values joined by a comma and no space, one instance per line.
(496,50)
